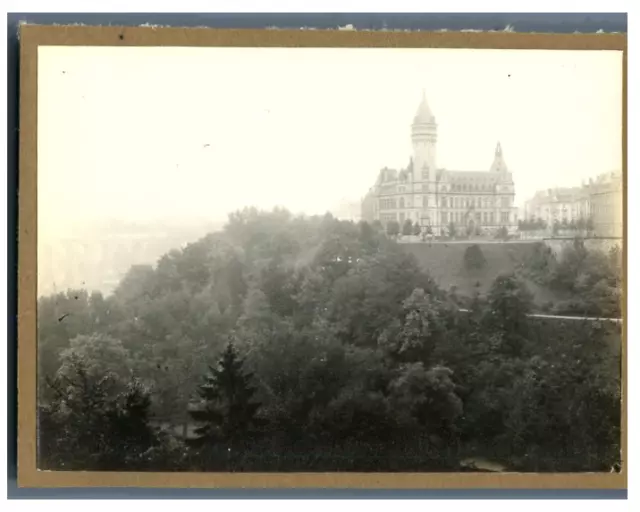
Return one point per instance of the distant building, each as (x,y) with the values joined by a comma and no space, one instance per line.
(558,205)
(606,196)
(436,197)
(599,200)
(348,210)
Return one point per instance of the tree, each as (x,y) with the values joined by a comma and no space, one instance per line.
(474,258)
(417,229)
(509,303)
(393,228)
(93,422)
(452,230)
(377,226)
(227,411)
(407,228)
(502,233)
(425,398)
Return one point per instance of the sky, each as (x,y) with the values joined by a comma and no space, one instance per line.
(146,134)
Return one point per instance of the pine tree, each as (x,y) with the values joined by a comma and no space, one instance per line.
(228,411)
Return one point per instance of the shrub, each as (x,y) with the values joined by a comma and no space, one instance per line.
(474,258)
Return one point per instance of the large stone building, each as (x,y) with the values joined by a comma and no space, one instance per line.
(599,200)
(434,196)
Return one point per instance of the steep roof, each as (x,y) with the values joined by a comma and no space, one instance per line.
(498,165)
(424,114)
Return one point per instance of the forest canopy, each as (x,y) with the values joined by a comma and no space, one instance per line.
(286,343)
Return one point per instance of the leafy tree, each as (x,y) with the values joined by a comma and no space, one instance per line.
(93,422)
(417,229)
(228,410)
(393,228)
(101,354)
(425,398)
(407,228)
(503,233)
(509,303)
(452,230)
(474,258)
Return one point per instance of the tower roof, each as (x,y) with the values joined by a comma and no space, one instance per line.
(498,164)
(424,114)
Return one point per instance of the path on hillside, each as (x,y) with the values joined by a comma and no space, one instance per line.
(562,317)
(477,242)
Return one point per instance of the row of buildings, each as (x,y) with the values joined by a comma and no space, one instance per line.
(599,199)
(435,197)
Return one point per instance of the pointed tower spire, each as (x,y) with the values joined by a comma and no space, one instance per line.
(498,164)
(424,114)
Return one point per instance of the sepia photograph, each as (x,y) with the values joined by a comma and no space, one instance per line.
(312,260)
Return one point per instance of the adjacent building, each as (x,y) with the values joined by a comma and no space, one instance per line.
(599,200)
(436,197)
(562,205)
(606,204)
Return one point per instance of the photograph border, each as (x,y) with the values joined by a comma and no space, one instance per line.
(33,36)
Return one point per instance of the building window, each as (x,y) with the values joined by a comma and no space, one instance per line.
(504,217)
(444,218)
(492,218)
(402,202)
(444,202)
(401,217)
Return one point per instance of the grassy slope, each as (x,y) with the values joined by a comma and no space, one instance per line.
(444,262)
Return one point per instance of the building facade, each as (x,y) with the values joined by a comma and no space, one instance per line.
(606,204)
(599,200)
(562,205)
(435,197)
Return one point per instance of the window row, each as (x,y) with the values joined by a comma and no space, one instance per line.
(482,218)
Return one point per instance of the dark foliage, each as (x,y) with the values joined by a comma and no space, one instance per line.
(345,357)
(474,258)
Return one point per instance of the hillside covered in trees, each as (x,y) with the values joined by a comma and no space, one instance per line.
(312,344)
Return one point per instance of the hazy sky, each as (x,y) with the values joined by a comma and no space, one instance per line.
(148,133)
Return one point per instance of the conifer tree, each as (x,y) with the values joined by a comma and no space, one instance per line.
(227,412)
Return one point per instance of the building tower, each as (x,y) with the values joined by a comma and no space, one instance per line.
(505,211)
(498,164)
(424,136)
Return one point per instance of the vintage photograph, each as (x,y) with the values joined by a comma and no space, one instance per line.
(329,259)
